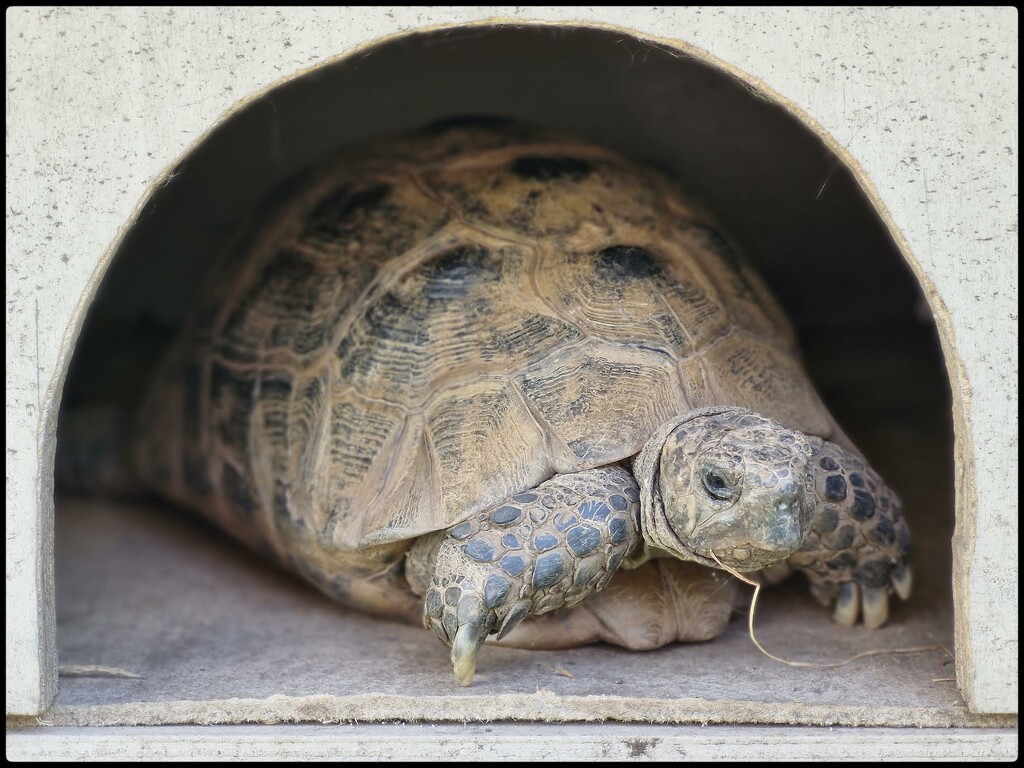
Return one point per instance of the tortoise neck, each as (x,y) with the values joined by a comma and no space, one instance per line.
(658,537)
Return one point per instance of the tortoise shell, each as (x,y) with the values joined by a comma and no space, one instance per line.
(427,325)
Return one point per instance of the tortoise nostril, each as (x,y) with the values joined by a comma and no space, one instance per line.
(788,508)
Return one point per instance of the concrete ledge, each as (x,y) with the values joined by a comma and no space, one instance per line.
(508,742)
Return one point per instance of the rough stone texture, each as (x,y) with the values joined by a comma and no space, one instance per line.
(507,742)
(923,100)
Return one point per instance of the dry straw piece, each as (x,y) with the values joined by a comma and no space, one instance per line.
(814,664)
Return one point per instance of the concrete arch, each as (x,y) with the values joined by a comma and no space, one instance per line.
(267,126)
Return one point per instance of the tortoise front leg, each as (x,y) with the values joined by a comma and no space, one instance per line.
(859,542)
(547,548)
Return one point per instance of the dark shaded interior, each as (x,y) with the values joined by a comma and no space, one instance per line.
(794,209)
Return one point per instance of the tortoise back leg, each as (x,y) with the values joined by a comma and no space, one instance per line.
(548,548)
(663,601)
(858,547)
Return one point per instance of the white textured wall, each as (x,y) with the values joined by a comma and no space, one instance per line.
(101,101)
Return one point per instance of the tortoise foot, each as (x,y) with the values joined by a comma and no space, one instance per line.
(857,553)
(535,552)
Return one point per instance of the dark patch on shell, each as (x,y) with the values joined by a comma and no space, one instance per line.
(275,385)
(282,509)
(620,263)
(331,218)
(392,318)
(536,168)
(238,491)
(451,274)
(231,394)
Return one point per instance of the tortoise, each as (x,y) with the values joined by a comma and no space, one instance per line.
(510,383)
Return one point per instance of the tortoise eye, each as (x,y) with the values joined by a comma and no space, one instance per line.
(716,486)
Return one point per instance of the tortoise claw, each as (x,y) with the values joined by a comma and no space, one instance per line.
(871,604)
(516,614)
(465,648)
(463,626)
(848,604)
(903,581)
(875,606)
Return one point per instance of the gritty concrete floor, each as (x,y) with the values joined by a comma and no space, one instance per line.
(217,636)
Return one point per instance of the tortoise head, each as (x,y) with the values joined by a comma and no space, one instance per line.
(729,482)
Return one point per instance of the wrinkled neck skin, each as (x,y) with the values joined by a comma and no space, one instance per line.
(764,523)
(657,538)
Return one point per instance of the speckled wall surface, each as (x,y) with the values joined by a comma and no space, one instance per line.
(101,102)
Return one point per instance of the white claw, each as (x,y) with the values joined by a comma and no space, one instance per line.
(848,604)
(465,648)
(875,602)
(903,581)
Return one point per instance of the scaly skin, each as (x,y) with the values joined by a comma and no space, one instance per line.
(541,550)
(859,542)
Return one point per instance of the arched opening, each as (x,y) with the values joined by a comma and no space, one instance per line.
(785,197)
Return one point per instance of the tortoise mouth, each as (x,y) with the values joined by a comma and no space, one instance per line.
(740,558)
